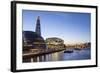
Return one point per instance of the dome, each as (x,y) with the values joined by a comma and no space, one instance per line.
(54,40)
(32,40)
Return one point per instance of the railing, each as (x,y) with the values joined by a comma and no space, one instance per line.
(40,52)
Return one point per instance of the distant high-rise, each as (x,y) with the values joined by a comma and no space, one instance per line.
(38,26)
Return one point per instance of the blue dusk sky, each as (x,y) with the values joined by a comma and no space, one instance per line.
(72,27)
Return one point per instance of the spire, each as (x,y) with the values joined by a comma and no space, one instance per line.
(38,27)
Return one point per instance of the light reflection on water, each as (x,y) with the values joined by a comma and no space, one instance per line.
(61,56)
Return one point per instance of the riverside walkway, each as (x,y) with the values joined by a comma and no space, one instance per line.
(41,52)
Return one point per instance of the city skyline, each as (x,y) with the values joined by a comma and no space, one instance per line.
(70,26)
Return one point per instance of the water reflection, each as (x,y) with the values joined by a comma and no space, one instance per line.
(61,56)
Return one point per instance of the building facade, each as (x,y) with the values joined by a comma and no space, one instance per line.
(33,41)
(55,43)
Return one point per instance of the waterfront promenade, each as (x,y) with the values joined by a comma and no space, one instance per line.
(40,52)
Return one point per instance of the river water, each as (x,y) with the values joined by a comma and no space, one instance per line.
(61,56)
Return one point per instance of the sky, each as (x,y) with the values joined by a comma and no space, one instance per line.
(72,27)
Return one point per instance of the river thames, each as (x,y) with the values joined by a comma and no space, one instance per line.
(82,54)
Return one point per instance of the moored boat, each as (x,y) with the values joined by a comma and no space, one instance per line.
(68,51)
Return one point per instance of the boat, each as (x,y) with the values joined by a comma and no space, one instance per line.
(68,51)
